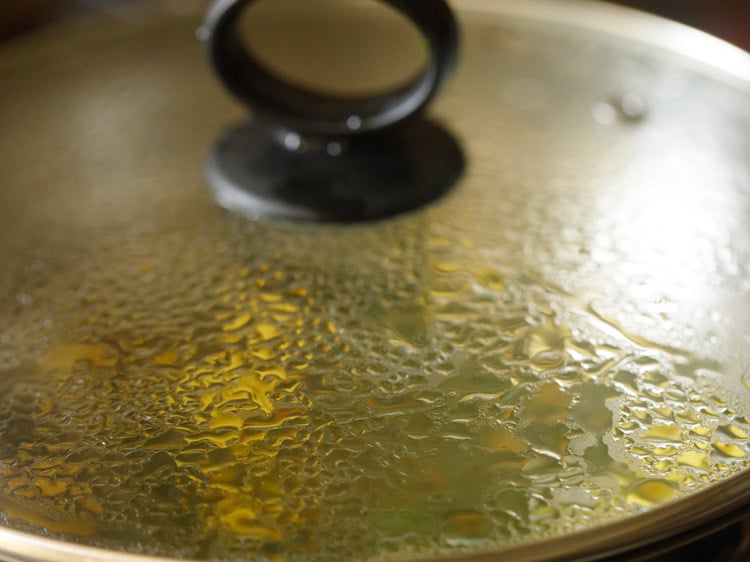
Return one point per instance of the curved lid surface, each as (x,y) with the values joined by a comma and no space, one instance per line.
(553,359)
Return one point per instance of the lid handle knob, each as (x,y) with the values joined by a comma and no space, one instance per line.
(311,156)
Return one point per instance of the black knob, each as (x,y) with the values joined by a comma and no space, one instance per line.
(317,157)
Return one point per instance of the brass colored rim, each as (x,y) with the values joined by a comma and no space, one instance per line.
(710,55)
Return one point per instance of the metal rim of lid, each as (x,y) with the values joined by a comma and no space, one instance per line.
(719,505)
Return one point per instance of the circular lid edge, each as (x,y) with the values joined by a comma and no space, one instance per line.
(717,58)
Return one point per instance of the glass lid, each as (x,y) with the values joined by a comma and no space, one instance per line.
(553,359)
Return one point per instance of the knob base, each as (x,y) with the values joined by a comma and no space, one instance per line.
(260,172)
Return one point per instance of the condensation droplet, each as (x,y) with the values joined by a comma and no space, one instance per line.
(651,492)
(627,108)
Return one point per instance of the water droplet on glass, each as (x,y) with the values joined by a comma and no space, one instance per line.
(334,148)
(292,141)
(24,299)
(466,528)
(651,492)
(202,33)
(627,108)
(730,450)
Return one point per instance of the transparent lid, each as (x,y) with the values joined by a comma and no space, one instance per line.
(551,359)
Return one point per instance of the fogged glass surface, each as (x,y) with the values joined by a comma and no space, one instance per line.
(558,344)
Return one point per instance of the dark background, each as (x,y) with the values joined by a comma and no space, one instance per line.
(729,19)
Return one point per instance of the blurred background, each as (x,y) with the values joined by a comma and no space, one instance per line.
(728,19)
